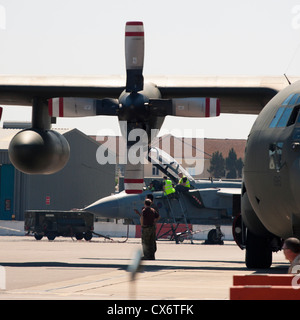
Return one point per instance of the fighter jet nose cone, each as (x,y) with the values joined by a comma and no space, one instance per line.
(107,207)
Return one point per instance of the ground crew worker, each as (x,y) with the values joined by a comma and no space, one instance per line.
(168,187)
(153,205)
(183,184)
(148,218)
(151,187)
(291,250)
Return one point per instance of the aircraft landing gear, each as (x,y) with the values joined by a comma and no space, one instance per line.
(258,252)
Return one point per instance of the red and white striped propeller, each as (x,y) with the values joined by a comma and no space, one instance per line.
(137,105)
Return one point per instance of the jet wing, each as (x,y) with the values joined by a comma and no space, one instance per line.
(245,95)
(229,191)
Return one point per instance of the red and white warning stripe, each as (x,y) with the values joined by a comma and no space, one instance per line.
(134,177)
(197,200)
(134,29)
(134,45)
(133,186)
(56,107)
(71,107)
(212,107)
(196,107)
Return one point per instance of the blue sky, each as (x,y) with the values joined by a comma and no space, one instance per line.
(192,37)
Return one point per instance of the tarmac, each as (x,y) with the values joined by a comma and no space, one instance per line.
(67,269)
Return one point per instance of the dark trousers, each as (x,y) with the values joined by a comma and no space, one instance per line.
(149,241)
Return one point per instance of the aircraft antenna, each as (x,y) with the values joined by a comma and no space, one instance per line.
(287,79)
(292,60)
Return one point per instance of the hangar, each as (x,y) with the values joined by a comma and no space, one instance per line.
(82,181)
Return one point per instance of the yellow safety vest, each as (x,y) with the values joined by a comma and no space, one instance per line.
(187,183)
(168,187)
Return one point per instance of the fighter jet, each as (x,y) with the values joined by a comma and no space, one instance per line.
(206,202)
(270,203)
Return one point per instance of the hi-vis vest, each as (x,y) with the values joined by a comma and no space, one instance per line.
(187,183)
(168,187)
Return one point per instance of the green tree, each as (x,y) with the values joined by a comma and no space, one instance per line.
(217,165)
(239,167)
(231,164)
(234,166)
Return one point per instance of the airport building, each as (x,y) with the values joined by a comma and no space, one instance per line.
(81,182)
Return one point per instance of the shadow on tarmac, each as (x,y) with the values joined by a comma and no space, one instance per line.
(277,268)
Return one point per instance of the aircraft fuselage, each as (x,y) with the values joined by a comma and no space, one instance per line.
(272,164)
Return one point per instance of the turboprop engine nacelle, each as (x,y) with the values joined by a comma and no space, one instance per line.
(36,151)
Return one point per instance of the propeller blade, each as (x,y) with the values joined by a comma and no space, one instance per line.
(134,178)
(186,107)
(82,107)
(196,107)
(134,55)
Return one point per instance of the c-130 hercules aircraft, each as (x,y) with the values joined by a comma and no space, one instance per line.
(270,205)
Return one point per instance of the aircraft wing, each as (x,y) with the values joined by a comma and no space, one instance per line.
(20,90)
(240,94)
(229,191)
(245,95)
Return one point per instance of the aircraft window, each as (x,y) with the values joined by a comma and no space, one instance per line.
(284,118)
(298,117)
(286,101)
(277,117)
(294,116)
(296,134)
(293,100)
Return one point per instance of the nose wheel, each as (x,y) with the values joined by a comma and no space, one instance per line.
(258,252)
